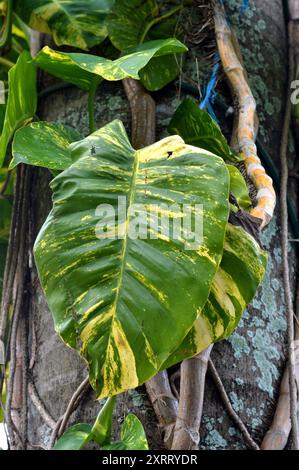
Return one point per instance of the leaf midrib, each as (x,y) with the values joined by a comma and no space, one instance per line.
(132,192)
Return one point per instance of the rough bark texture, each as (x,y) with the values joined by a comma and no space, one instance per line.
(250,362)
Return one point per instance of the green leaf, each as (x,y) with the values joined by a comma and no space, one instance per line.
(108,295)
(127,22)
(21,31)
(197,128)
(22,100)
(74,438)
(83,69)
(127,26)
(132,436)
(3,397)
(239,188)
(44,144)
(101,429)
(160,71)
(241,271)
(64,66)
(73,23)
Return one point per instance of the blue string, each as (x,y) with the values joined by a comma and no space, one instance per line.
(245,5)
(210,91)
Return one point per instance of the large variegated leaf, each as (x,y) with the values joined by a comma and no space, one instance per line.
(197,127)
(44,144)
(83,69)
(74,23)
(22,99)
(118,299)
(241,271)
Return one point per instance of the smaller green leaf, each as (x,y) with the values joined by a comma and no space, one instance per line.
(132,436)
(22,99)
(83,69)
(128,20)
(160,71)
(74,438)
(102,427)
(136,21)
(44,144)
(239,188)
(197,128)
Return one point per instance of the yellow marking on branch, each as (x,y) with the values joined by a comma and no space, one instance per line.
(247,118)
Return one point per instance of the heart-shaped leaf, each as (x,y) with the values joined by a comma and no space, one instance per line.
(197,127)
(74,438)
(241,271)
(108,293)
(22,100)
(132,436)
(44,144)
(74,23)
(83,69)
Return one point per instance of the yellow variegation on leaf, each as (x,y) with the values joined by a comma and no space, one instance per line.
(126,304)
(74,23)
(240,273)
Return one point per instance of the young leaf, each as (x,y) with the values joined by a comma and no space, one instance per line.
(132,436)
(101,429)
(73,23)
(22,99)
(74,438)
(239,188)
(44,144)
(241,271)
(109,294)
(83,69)
(197,128)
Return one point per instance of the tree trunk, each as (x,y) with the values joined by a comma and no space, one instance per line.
(250,362)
